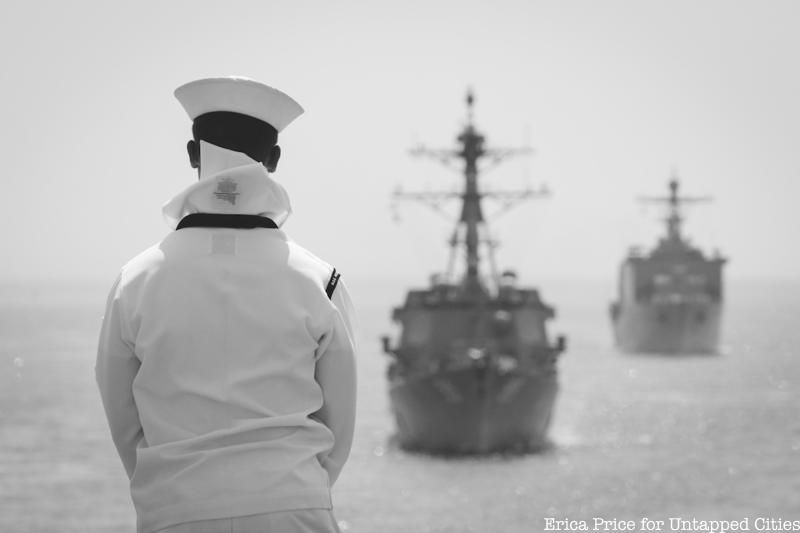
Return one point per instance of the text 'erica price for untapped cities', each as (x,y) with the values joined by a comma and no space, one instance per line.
(684,525)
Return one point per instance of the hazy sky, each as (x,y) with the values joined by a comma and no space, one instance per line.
(613,95)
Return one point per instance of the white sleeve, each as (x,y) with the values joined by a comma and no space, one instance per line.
(115,370)
(336,375)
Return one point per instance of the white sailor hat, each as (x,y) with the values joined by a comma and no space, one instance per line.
(238,95)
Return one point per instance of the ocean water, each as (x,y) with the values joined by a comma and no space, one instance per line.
(703,437)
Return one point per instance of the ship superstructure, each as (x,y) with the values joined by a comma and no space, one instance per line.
(473,369)
(670,300)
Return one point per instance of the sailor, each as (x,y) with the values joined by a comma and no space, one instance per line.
(226,360)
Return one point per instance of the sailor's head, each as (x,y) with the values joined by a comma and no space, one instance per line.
(239,114)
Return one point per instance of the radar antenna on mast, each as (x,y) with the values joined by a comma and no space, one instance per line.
(471,150)
(675,204)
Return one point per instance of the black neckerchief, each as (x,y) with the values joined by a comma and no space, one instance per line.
(219,220)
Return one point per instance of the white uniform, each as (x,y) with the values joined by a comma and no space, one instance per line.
(226,372)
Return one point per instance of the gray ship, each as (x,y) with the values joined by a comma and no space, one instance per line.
(670,300)
(473,370)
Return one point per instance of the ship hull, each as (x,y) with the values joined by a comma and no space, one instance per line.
(477,409)
(668,328)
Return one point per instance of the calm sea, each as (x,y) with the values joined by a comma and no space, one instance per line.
(694,437)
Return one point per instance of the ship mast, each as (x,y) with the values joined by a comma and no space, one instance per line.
(471,223)
(674,204)
(471,214)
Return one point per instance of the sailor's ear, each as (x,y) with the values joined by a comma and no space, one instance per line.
(193,150)
(272,160)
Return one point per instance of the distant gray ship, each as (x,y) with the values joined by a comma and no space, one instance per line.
(670,300)
(473,370)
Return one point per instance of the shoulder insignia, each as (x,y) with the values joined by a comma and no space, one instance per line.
(332,283)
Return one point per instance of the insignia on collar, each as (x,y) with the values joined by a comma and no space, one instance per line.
(226,190)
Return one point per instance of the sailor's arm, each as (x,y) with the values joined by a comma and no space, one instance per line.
(336,375)
(115,370)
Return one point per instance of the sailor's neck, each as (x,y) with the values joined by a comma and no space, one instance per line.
(215,159)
